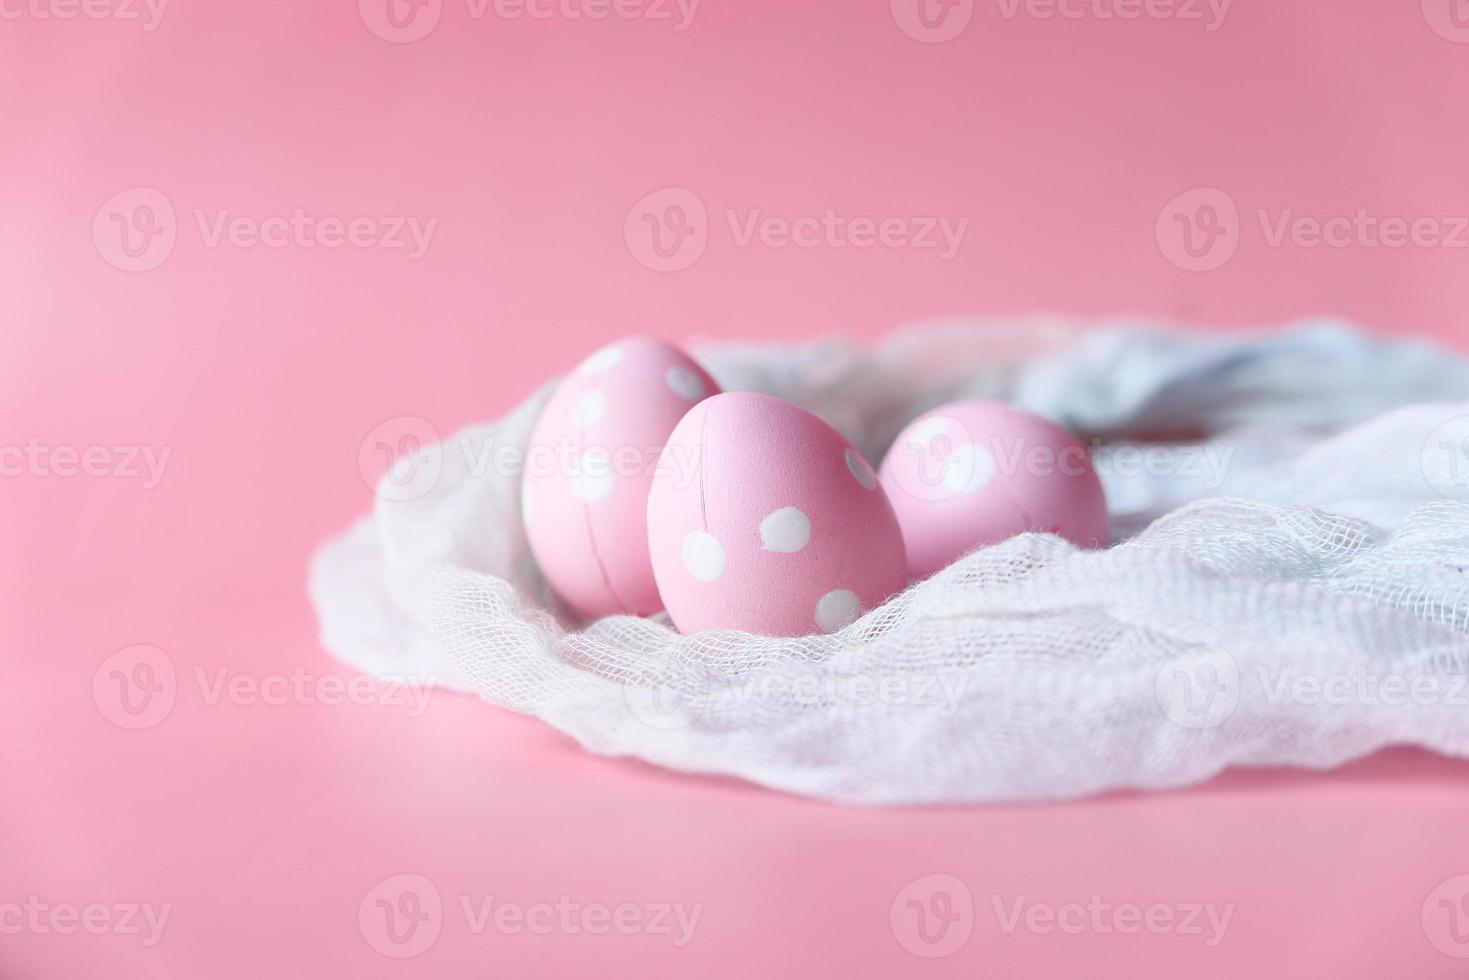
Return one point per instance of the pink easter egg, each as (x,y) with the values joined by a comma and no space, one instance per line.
(589,463)
(973,473)
(763,518)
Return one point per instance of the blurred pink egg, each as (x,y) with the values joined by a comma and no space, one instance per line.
(589,464)
(973,473)
(763,518)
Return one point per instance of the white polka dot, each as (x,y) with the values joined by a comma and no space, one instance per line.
(968,468)
(836,609)
(601,360)
(703,556)
(589,408)
(787,529)
(527,504)
(684,383)
(860,469)
(593,479)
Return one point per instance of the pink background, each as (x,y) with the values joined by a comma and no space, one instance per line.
(262,369)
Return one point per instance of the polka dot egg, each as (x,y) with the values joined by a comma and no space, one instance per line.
(763,518)
(589,464)
(977,472)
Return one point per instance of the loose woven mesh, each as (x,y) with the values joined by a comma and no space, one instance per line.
(1300,600)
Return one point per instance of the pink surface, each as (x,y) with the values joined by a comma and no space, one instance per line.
(211,407)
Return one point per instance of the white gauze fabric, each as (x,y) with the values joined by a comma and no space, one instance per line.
(1289,585)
